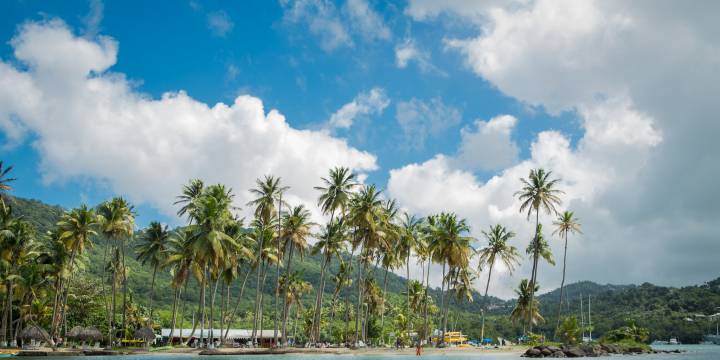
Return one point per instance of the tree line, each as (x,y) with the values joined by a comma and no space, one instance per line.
(217,249)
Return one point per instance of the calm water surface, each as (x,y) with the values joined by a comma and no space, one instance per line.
(694,352)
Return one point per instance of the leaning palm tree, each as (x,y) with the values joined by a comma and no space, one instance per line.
(152,250)
(565,224)
(497,249)
(539,192)
(296,230)
(75,229)
(525,311)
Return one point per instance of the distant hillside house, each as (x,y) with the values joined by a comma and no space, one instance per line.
(238,337)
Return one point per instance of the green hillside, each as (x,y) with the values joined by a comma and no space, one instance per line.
(664,310)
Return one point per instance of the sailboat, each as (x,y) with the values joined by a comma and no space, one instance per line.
(589,320)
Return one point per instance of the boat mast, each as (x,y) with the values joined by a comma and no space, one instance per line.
(582,317)
(589,318)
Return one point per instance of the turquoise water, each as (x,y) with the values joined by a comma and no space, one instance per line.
(694,352)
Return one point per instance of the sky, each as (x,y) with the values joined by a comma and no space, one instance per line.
(444,105)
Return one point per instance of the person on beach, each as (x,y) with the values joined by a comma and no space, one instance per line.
(418,349)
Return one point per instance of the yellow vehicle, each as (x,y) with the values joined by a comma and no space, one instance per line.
(452,337)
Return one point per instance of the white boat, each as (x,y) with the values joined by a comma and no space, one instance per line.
(674,341)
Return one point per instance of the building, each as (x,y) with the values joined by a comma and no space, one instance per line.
(238,337)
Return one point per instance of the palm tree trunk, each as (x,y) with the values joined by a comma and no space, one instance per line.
(382,308)
(113,300)
(317,316)
(562,288)
(203,291)
(407,273)
(124,277)
(174,316)
(534,271)
(152,291)
(359,296)
(286,307)
(262,296)
(442,304)
(485,305)
(257,288)
(211,329)
(237,305)
(6,308)
(426,300)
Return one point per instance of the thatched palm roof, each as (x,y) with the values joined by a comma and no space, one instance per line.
(74,332)
(34,332)
(90,333)
(145,333)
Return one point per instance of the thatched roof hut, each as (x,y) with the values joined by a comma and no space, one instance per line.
(145,333)
(74,332)
(34,332)
(90,333)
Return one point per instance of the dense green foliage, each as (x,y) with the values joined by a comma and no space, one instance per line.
(663,310)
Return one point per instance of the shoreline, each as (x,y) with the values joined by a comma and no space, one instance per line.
(510,350)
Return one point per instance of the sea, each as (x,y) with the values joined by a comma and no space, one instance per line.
(691,352)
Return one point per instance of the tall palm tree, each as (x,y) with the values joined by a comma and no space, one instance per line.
(451,248)
(268,192)
(17,239)
(539,192)
(296,230)
(190,193)
(497,249)
(210,244)
(523,310)
(75,229)
(565,224)
(365,214)
(409,240)
(335,194)
(117,223)
(152,249)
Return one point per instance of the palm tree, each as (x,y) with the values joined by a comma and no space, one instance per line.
(410,239)
(152,249)
(366,209)
(497,249)
(566,223)
(523,310)
(538,192)
(335,196)
(75,229)
(267,192)
(190,193)
(295,231)
(17,240)
(452,248)
(117,223)
(211,245)
(5,182)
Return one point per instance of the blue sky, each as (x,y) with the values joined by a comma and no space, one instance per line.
(171,46)
(443,104)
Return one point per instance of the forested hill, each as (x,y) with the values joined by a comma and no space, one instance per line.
(666,311)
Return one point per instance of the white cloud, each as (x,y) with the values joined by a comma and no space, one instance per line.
(366,21)
(364,104)
(408,51)
(335,27)
(489,145)
(422,119)
(641,77)
(220,23)
(93,19)
(322,19)
(87,122)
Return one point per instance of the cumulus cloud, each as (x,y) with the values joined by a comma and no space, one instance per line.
(220,23)
(420,119)
(489,146)
(364,104)
(335,27)
(88,122)
(640,77)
